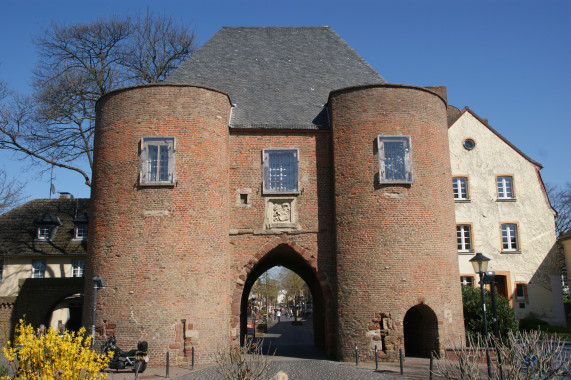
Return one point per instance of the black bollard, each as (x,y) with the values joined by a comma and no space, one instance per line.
(192,358)
(431,364)
(167,374)
(400,355)
(356,355)
(376,359)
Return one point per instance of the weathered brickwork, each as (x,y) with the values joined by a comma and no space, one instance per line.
(395,244)
(179,261)
(162,250)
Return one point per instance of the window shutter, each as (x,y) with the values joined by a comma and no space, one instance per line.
(408,159)
(144,161)
(266,170)
(382,169)
(171,164)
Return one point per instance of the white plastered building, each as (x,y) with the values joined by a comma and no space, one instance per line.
(502,211)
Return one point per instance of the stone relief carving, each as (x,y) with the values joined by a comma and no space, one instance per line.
(281,212)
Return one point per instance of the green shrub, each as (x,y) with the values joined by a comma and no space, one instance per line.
(473,319)
(527,324)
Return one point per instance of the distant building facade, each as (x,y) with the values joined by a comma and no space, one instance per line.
(43,245)
(503,211)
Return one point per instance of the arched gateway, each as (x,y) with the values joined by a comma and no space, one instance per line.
(286,255)
(235,165)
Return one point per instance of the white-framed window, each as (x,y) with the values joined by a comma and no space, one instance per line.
(467,281)
(505,187)
(44,232)
(157,161)
(47,226)
(281,171)
(460,187)
(38,268)
(395,159)
(80,231)
(520,291)
(509,237)
(77,268)
(464,237)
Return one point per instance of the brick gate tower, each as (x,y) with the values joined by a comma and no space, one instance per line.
(274,147)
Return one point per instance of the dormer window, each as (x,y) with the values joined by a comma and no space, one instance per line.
(47,227)
(80,227)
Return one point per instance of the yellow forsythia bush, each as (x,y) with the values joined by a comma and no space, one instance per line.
(51,354)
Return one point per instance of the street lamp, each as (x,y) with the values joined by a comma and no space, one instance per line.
(97,284)
(480,264)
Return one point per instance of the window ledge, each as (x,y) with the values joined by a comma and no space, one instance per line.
(78,239)
(463,200)
(511,252)
(506,200)
(157,184)
(466,253)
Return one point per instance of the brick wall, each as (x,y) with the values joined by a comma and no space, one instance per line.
(162,250)
(395,244)
(179,261)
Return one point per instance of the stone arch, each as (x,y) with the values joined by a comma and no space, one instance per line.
(68,310)
(420,330)
(289,254)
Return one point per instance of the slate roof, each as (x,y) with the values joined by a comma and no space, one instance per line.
(18,227)
(277,77)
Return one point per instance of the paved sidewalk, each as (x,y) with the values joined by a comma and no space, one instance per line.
(296,355)
(297,369)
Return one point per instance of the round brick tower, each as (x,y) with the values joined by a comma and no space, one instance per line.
(396,249)
(160,244)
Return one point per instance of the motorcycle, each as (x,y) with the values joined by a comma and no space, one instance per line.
(121,359)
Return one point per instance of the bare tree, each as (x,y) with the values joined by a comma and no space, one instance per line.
(560,197)
(11,192)
(78,64)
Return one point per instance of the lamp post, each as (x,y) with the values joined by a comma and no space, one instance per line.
(97,284)
(480,264)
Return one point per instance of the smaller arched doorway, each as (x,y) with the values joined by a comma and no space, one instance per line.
(420,331)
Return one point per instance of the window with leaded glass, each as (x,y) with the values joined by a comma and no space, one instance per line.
(157,161)
(281,175)
(395,159)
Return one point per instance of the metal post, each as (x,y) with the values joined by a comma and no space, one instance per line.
(356,355)
(168,364)
(401,364)
(485,329)
(192,358)
(376,359)
(431,364)
(94,314)
(496,323)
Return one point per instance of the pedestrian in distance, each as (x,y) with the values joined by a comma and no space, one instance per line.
(278,314)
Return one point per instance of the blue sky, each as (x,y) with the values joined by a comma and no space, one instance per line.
(509,61)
